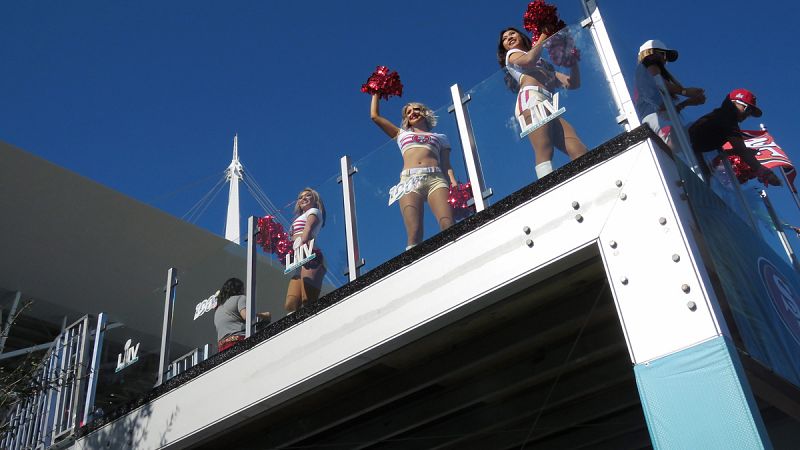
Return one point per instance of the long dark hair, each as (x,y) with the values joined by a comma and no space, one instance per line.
(501,56)
(231,287)
(661,65)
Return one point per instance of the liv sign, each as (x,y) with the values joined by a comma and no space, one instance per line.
(301,255)
(542,111)
(129,355)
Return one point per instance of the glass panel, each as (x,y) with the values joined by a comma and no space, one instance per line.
(508,159)
(331,237)
(756,282)
(764,223)
(128,366)
(193,324)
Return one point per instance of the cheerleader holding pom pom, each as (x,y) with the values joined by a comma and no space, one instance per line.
(427,174)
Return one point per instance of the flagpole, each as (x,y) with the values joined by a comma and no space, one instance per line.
(786,179)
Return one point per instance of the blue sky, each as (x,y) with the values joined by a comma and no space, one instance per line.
(145,97)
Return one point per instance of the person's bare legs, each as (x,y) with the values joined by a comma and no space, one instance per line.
(441,208)
(294,295)
(543,149)
(566,138)
(312,283)
(411,209)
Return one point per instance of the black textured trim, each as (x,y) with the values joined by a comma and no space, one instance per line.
(598,155)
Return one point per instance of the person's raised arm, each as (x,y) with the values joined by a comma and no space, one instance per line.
(573,80)
(528,59)
(383,123)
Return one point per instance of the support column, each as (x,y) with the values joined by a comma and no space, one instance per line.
(699,398)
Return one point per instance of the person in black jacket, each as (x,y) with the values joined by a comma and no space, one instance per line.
(721,125)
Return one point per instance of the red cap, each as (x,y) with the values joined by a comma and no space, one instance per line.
(746,97)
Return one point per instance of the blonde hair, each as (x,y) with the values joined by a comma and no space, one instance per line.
(317,202)
(645,53)
(430,118)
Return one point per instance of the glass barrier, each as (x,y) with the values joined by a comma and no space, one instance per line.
(508,159)
(128,365)
(740,261)
(381,230)
(724,183)
(198,282)
(762,218)
(331,237)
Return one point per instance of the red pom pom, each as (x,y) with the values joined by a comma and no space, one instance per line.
(384,83)
(272,238)
(741,169)
(458,199)
(540,16)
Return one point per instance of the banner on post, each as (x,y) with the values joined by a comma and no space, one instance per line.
(769,153)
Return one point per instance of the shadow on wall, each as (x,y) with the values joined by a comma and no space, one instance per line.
(130,432)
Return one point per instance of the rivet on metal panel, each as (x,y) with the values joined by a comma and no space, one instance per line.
(679,183)
(579,218)
(619,183)
(612,244)
(684,197)
(692,306)
(662,220)
(623,196)
(576,205)
(526,229)
(685,288)
(623,280)
(676,257)
(529,242)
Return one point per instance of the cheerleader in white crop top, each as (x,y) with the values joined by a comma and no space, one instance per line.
(426,174)
(306,282)
(536,80)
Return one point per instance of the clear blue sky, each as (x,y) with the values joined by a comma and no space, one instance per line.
(145,96)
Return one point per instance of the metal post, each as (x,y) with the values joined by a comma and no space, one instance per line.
(789,186)
(166,328)
(779,229)
(12,316)
(605,51)
(737,188)
(94,367)
(250,321)
(678,131)
(354,261)
(81,372)
(471,157)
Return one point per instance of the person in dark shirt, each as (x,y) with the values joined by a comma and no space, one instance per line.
(712,131)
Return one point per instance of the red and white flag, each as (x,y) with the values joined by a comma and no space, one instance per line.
(768,153)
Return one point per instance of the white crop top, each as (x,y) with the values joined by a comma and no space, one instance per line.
(434,142)
(544,72)
(299,225)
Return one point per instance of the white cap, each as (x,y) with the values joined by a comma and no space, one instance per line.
(656,44)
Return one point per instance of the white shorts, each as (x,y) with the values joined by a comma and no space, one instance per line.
(659,122)
(529,96)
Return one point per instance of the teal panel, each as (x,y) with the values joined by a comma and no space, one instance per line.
(699,398)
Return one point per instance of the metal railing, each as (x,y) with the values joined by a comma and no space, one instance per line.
(54,404)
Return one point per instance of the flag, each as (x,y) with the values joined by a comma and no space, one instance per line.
(768,153)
